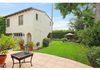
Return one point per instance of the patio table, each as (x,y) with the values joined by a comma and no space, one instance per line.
(21,56)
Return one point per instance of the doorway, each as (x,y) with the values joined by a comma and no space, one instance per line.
(29,37)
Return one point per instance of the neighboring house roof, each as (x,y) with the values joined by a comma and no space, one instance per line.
(27,9)
(69,34)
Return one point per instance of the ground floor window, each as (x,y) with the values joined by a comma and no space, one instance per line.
(16,34)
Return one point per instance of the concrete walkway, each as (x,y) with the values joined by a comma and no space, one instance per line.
(41,60)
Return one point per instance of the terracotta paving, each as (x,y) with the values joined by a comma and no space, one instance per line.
(41,60)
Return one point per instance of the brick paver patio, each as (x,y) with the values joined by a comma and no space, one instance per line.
(41,60)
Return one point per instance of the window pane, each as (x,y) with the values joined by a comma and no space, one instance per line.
(36,16)
(8,22)
(20,18)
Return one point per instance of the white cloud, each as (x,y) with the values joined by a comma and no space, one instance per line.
(61,25)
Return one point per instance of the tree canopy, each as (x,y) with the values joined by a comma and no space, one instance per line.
(84,13)
(2,25)
(75,8)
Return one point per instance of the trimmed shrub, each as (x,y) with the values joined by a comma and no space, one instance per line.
(94,56)
(38,43)
(59,34)
(46,42)
(64,39)
(49,35)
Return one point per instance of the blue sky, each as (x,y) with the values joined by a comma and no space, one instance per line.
(59,22)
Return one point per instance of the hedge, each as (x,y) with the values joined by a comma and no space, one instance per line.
(59,34)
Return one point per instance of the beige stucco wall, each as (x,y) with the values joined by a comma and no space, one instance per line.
(25,28)
(39,29)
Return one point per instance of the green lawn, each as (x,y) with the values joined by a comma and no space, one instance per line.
(69,50)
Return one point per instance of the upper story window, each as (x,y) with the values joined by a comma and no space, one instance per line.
(8,22)
(36,16)
(50,23)
(20,19)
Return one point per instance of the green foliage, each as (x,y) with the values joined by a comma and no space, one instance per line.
(21,41)
(84,13)
(6,42)
(75,8)
(86,37)
(78,24)
(46,42)
(85,20)
(17,46)
(91,35)
(98,61)
(58,34)
(88,16)
(30,44)
(64,39)
(67,8)
(2,26)
(94,56)
(79,35)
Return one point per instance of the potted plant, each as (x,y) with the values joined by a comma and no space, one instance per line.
(30,45)
(6,42)
(21,44)
(3,56)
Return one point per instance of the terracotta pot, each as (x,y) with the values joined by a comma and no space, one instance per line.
(30,49)
(21,47)
(2,59)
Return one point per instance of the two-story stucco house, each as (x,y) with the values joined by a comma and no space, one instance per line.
(30,24)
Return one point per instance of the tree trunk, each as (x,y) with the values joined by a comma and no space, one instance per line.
(97,5)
